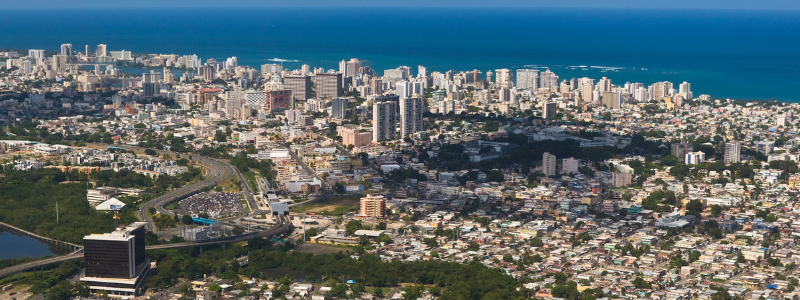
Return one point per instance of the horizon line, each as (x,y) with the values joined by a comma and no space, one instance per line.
(407,7)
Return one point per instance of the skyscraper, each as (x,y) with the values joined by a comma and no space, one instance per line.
(300,86)
(278,100)
(548,164)
(150,84)
(410,116)
(586,86)
(503,78)
(384,119)
(548,110)
(685,90)
(604,84)
(36,53)
(680,150)
(403,89)
(733,152)
(548,79)
(525,78)
(422,71)
(352,67)
(116,261)
(328,84)
(339,108)
(612,100)
(101,50)
(66,49)
(59,63)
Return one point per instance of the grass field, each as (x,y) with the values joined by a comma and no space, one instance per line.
(250,178)
(245,205)
(231,185)
(334,206)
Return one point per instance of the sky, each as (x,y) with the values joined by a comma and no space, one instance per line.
(652,4)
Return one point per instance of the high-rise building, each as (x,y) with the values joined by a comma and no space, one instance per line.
(305,70)
(548,79)
(208,72)
(586,86)
(394,75)
(782,120)
(101,50)
(150,84)
(271,69)
(604,84)
(659,90)
(403,89)
(525,78)
(548,110)
(620,179)
(549,164)
(384,119)
(59,63)
(765,147)
(422,71)
(504,95)
(410,116)
(300,86)
(354,136)
(352,67)
(87,50)
(66,49)
(277,101)
(685,90)
(570,165)
(612,100)
(680,150)
(733,152)
(641,94)
(376,86)
(328,84)
(36,53)
(503,78)
(373,206)
(693,158)
(26,67)
(116,262)
(339,108)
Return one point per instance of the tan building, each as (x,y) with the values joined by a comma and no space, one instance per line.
(373,206)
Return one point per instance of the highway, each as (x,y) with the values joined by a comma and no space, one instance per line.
(218,171)
(279,228)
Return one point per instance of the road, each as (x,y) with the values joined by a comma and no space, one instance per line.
(310,171)
(218,171)
(279,228)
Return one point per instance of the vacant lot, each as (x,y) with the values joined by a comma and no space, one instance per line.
(333,206)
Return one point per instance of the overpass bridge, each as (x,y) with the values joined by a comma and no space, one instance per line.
(283,226)
(217,171)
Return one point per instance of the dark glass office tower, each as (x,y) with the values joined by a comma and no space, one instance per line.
(116,262)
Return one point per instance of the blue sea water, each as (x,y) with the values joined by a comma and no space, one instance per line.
(724,53)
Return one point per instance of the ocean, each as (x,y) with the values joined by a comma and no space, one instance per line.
(724,53)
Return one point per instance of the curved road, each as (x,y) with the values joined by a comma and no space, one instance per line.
(278,229)
(218,171)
